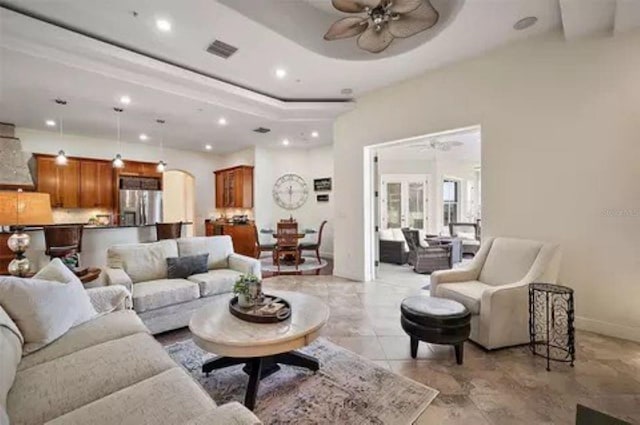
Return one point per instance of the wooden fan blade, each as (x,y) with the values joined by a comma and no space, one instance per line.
(346,27)
(405,6)
(354,6)
(375,41)
(423,18)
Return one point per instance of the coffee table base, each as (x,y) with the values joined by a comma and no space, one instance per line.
(259,368)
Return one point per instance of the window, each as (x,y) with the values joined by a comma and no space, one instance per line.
(451,198)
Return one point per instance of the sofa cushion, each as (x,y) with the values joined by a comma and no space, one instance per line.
(183,267)
(509,260)
(143,261)
(399,236)
(386,235)
(219,249)
(468,293)
(44,310)
(215,282)
(163,292)
(54,388)
(171,397)
(10,354)
(102,329)
(230,414)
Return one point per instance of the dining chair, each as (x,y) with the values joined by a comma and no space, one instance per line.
(168,230)
(314,246)
(262,247)
(286,242)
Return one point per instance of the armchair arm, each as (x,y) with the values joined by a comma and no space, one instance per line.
(230,413)
(118,277)
(106,299)
(245,264)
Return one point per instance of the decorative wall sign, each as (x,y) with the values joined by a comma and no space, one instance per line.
(290,191)
(322,198)
(322,185)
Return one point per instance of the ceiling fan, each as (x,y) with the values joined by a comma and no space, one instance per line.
(438,145)
(381,21)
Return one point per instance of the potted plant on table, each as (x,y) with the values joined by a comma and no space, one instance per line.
(248,288)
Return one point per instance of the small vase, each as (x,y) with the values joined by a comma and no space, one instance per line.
(244,301)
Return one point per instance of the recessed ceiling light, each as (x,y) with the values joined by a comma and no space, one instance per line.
(144,137)
(281,73)
(285,142)
(222,121)
(525,23)
(163,25)
(315,134)
(208,147)
(125,100)
(50,123)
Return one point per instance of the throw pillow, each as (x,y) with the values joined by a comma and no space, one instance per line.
(57,271)
(43,310)
(183,267)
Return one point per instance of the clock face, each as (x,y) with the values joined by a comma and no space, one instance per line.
(290,191)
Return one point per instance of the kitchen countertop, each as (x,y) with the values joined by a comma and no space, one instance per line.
(89,227)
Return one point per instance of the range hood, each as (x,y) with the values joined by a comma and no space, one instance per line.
(14,167)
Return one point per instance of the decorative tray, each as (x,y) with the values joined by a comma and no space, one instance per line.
(271,310)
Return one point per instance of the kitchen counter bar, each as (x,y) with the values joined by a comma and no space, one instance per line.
(89,226)
(96,240)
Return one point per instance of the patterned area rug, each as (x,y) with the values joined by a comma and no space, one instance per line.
(310,264)
(347,390)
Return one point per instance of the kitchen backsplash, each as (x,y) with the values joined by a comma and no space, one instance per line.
(77,215)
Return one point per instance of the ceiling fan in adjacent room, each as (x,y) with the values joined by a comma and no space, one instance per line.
(381,21)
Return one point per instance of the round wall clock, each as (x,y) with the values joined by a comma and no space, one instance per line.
(290,191)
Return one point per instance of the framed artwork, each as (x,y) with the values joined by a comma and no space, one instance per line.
(322,198)
(322,185)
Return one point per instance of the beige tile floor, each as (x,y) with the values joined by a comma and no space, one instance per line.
(500,387)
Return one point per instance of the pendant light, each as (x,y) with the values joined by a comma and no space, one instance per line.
(61,159)
(161,164)
(117,160)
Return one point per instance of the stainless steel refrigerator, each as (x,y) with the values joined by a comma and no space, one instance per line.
(140,207)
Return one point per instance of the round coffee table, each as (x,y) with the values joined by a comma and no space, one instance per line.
(260,347)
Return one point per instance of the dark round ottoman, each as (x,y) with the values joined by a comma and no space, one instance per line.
(435,320)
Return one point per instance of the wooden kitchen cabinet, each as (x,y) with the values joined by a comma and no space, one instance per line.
(62,183)
(234,187)
(96,184)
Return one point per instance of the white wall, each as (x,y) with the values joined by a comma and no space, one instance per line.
(200,165)
(560,159)
(308,163)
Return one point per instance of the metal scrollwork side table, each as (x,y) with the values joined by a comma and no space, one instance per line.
(551,315)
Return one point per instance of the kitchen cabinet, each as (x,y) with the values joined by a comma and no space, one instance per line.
(96,184)
(61,182)
(234,187)
(140,169)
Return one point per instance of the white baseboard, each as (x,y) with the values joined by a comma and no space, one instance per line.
(609,329)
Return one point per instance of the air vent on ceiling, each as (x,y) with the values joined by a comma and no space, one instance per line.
(222,49)
(262,130)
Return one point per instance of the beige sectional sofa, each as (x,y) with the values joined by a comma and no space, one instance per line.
(109,370)
(164,304)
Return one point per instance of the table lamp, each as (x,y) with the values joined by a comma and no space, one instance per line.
(17,210)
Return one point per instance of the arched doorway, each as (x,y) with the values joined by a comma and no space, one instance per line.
(179,203)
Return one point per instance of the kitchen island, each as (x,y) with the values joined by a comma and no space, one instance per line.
(95,242)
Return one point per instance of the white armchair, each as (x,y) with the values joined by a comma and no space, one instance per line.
(494,287)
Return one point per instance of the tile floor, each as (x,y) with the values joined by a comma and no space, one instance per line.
(502,387)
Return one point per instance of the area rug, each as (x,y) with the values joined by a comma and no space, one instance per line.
(310,264)
(348,389)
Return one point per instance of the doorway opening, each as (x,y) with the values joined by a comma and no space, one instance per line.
(419,188)
(179,198)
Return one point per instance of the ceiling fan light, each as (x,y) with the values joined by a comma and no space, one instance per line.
(117,161)
(61,159)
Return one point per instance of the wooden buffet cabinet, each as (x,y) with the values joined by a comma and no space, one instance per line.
(242,235)
(234,187)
